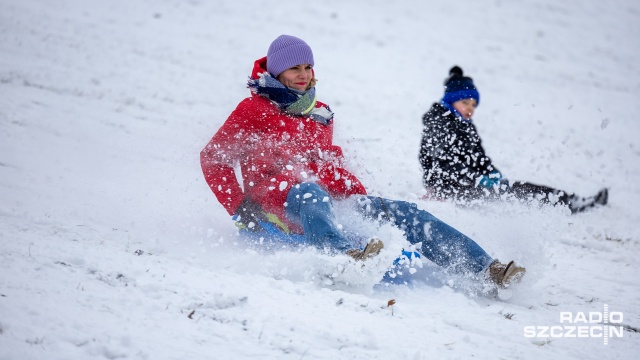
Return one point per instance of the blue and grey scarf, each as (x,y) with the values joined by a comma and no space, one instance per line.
(291,101)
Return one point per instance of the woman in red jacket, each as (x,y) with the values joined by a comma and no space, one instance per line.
(282,140)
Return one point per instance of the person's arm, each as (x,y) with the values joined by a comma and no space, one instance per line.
(331,172)
(433,146)
(485,172)
(485,165)
(340,182)
(217,159)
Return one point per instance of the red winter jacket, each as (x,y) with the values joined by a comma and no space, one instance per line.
(274,151)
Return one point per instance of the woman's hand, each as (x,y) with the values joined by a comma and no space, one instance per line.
(249,214)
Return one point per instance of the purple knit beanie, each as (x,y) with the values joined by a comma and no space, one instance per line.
(285,52)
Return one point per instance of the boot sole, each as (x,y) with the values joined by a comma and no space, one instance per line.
(372,249)
(512,274)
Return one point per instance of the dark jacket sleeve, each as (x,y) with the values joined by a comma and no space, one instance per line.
(482,162)
(433,147)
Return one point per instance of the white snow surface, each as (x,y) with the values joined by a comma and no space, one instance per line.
(112,245)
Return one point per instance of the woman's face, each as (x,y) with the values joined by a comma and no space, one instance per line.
(466,107)
(297,77)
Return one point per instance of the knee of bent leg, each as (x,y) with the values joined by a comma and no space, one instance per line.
(409,212)
(306,194)
(304,191)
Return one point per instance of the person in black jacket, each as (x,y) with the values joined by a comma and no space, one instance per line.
(455,164)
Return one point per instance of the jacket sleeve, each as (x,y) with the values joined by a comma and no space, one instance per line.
(465,160)
(435,148)
(220,155)
(330,169)
(484,165)
(340,182)
(433,145)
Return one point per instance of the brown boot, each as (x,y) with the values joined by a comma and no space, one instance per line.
(504,275)
(372,249)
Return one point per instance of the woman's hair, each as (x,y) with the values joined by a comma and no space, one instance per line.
(312,83)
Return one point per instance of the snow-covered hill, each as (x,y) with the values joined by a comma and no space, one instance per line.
(112,246)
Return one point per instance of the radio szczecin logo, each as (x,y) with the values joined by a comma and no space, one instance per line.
(593,324)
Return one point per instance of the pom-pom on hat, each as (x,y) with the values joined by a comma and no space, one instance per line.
(285,52)
(459,87)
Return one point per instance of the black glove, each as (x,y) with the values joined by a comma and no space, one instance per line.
(249,213)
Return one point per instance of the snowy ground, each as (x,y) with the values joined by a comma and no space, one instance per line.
(105,105)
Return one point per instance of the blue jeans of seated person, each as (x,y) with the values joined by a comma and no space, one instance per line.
(311,206)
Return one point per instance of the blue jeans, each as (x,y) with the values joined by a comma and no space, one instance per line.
(311,206)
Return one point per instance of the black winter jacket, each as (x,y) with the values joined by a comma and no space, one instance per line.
(451,153)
